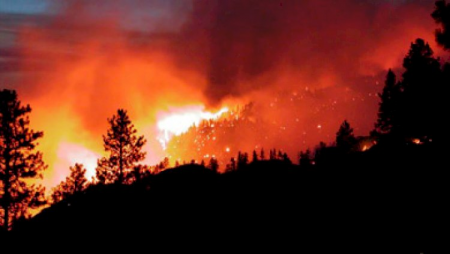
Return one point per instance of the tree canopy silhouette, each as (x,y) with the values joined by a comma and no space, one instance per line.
(345,138)
(213,164)
(124,148)
(413,108)
(441,15)
(18,161)
(75,182)
(421,89)
(388,105)
(305,160)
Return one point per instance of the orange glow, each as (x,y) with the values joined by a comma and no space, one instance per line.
(81,69)
(178,121)
(417,141)
(69,153)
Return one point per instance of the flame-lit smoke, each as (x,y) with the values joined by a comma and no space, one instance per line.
(305,64)
(69,154)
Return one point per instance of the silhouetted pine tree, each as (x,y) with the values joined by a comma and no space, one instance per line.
(124,149)
(280,155)
(273,154)
(18,161)
(232,165)
(262,156)
(166,162)
(388,105)
(77,177)
(255,156)
(75,182)
(286,158)
(213,164)
(139,172)
(420,107)
(242,160)
(345,139)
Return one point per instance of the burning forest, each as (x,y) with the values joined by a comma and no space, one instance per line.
(299,64)
(123,95)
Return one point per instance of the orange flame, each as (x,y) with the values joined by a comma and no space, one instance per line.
(179,120)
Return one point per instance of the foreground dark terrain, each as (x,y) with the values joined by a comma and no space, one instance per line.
(382,199)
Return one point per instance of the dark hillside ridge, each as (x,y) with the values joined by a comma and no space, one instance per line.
(381,199)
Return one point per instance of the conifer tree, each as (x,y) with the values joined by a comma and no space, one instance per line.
(124,147)
(18,161)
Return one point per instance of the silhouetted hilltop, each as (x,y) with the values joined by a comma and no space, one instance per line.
(363,201)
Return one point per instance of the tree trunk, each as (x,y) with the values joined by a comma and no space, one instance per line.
(6,198)
(120,165)
(6,207)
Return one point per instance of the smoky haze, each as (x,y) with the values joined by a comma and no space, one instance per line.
(79,61)
(321,41)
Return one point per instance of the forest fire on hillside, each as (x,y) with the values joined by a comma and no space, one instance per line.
(179,120)
(79,64)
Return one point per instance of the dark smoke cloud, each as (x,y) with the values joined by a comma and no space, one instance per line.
(233,43)
(239,41)
(239,48)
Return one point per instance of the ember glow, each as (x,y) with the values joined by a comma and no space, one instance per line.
(175,63)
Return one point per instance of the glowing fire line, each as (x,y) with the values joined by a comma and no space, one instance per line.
(179,120)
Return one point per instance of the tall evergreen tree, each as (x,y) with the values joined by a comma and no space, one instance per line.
(441,15)
(77,177)
(262,155)
(420,103)
(18,161)
(255,156)
(124,148)
(388,105)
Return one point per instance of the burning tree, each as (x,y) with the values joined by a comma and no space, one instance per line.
(124,147)
(18,161)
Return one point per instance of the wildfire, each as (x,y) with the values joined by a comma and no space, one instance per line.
(178,121)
